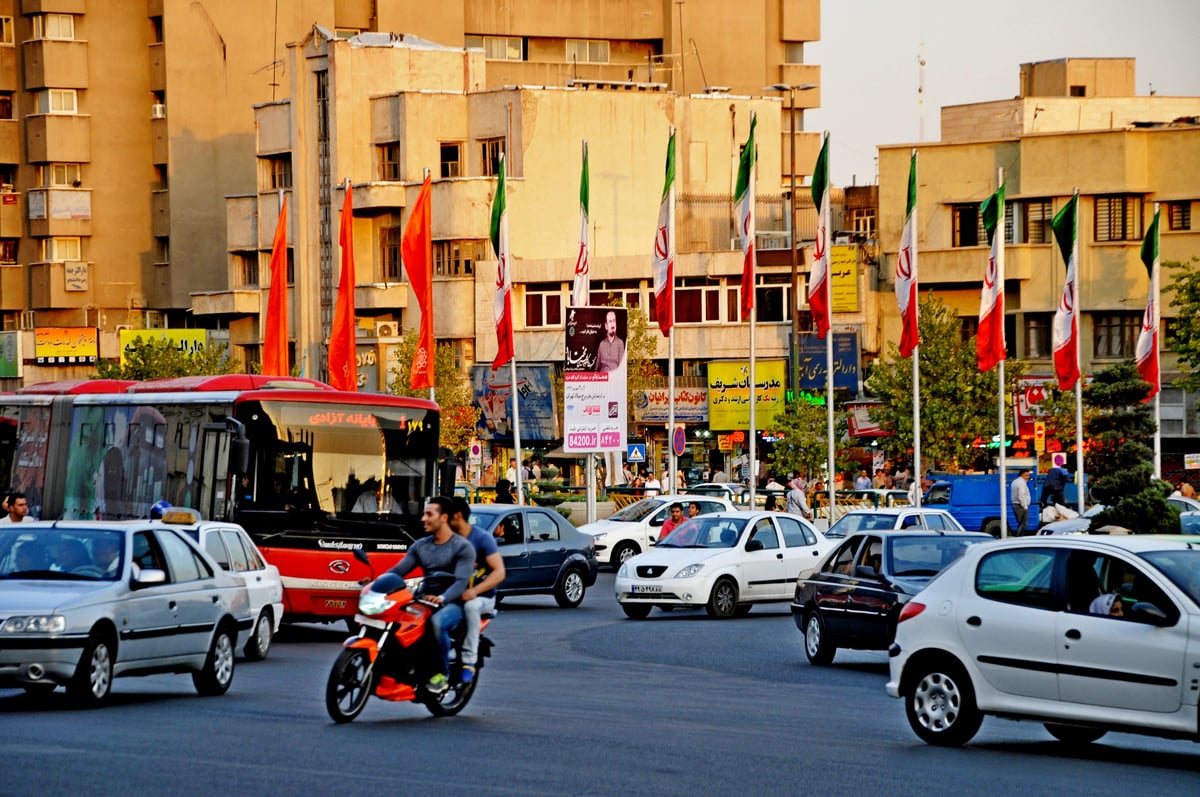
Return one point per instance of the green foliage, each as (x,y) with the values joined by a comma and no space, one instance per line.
(805,447)
(641,348)
(1120,454)
(958,403)
(159,358)
(1184,285)
(452,391)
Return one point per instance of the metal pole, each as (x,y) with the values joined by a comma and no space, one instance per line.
(795,365)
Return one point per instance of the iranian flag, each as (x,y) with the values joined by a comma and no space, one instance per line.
(989,343)
(1066,317)
(503,301)
(664,247)
(1147,342)
(744,198)
(818,275)
(582,286)
(906,268)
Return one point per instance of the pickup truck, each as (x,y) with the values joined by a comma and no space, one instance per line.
(974,499)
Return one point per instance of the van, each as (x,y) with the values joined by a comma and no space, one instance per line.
(974,499)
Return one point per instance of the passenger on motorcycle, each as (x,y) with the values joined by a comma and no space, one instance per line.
(480,596)
(443,551)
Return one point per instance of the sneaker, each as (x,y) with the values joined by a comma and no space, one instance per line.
(437,685)
(468,673)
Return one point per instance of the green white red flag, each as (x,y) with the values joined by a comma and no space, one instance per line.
(663,262)
(1065,332)
(1147,343)
(989,343)
(906,268)
(818,275)
(582,286)
(502,304)
(744,199)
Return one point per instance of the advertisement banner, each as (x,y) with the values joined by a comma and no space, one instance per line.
(691,405)
(10,354)
(845,362)
(493,392)
(729,393)
(66,345)
(594,380)
(843,275)
(188,341)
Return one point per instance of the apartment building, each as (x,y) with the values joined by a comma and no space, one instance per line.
(1075,124)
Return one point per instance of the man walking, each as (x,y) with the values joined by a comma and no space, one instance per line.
(1020,501)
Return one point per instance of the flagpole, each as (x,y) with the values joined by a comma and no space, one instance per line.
(432,390)
(917,472)
(752,249)
(672,488)
(827,242)
(1154,287)
(999,233)
(1078,361)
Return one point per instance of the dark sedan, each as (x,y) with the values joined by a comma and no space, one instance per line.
(543,553)
(854,597)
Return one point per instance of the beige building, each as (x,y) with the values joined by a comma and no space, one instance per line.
(1075,124)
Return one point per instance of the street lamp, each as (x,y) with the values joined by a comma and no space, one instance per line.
(791,90)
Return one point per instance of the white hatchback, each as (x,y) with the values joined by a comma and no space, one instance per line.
(1082,634)
(635,528)
(725,562)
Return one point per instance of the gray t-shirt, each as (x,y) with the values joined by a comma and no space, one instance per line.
(455,555)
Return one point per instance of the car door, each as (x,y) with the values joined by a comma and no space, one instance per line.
(510,537)
(870,600)
(801,553)
(764,576)
(196,594)
(834,587)
(248,567)
(149,621)
(547,549)
(652,528)
(911,520)
(1124,662)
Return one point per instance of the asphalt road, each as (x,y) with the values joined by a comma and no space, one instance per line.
(573,702)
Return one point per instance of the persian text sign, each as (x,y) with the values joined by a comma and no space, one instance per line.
(594,380)
(845,362)
(729,393)
(691,405)
(187,341)
(843,275)
(66,345)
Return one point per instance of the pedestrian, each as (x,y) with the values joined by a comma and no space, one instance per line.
(797,503)
(653,485)
(863,482)
(504,492)
(1020,501)
(1055,485)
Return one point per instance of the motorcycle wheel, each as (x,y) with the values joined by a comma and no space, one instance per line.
(349,685)
(453,700)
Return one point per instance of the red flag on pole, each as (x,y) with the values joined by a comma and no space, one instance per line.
(275,332)
(416,249)
(343,373)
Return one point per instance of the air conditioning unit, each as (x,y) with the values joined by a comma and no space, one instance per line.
(386,329)
(158,111)
(124,327)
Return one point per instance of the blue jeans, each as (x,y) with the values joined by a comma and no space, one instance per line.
(445,620)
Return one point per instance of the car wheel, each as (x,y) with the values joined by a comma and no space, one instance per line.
(259,643)
(622,554)
(1073,734)
(636,611)
(93,677)
(217,674)
(941,705)
(722,603)
(817,647)
(568,593)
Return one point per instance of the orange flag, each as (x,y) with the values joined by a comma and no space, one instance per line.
(275,333)
(343,373)
(416,250)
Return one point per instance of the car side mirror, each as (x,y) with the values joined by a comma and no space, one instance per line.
(657,522)
(1146,612)
(149,577)
(754,545)
(866,571)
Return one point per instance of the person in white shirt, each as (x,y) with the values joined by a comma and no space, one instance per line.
(797,502)
(653,485)
(18,509)
(1020,501)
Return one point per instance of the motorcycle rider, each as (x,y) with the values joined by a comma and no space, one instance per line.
(444,551)
(480,597)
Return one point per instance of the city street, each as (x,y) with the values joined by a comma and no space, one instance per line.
(573,702)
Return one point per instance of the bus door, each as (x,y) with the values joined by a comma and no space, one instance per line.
(213,495)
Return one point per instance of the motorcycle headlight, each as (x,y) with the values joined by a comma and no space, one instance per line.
(374,603)
(38,624)
(689,571)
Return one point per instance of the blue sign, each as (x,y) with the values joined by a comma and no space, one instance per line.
(636,453)
(845,362)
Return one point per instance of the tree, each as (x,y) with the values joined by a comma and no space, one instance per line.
(641,349)
(1119,455)
(805,447)
(958,403)
(1185,325)
(160,358)
(452,390)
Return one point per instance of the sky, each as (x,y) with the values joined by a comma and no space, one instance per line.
(973,50)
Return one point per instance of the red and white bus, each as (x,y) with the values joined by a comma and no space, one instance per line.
(310,472)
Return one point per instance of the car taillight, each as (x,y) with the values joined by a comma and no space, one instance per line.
(910,610)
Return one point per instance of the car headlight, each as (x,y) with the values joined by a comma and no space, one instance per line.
(374,603)
(624,571)
(689,571)
(599,537)
(38,624)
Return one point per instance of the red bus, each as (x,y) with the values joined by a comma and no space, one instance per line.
(310,472)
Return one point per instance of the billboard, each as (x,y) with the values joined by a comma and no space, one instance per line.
(66,345)
(729,393)
(843,276)
(493,396)
(691,405)
(595,380)
(10,354)
(812,368)
(188,341)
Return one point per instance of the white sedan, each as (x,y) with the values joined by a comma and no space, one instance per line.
(725,562)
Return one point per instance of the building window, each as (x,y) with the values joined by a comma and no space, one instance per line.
(245,269)
(389,161)
(1179,216)
(587,51)
(498,48)
(697,302)
(345,33)
(862,221)
(1119,218)
(162,250)
(57,250)
(57,101)
(1078,91)
(464,354)
(61,174)
(1030,221)
(1114,334)
(451,158)
(6,105)
(6,30)
(8,250)
(1037,334)
(279,172)
(968,225)
(457,258)
(543,305)
(389,253)
(54,26)
(622,292)
(968,327)
(490,150)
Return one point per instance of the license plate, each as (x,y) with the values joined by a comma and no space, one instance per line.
(335,604)
(645,588)
(362,619)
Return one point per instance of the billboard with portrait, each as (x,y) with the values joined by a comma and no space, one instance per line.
(595,379)
(493,395)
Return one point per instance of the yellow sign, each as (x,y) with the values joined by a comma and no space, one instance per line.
(66,345)
(1039,436)
(729,393)
(843,271)
(188,341)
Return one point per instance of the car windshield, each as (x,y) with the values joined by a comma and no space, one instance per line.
(860,521)
(925,557)
(636,513)
(61,554)
(485,520)
(1181,566)
(705,532)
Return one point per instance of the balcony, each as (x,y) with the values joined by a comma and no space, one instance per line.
(52,63)
(10,141)
(59,211)
(158,67)
(12,287)
(160,214)
(371,199)
(380,296)
(12,223)
(56,137)
(62,284)
(800,75)
(159,142)
(241,222)
(8,69)
(228,303)
(801,21)
(274,127)
(53,7)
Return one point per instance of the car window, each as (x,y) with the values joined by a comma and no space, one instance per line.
(1102,584)
(541,528)
(764,532)
(911,522)
(237,552)
(710,506)
(843,561)
(938,495)
(795,535)
(935,521)
(510,530)
(1181,567)
(252,555)
(1022,576)
(925,556)
(872,554)
(183,562)
(147,554)
(216,549)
